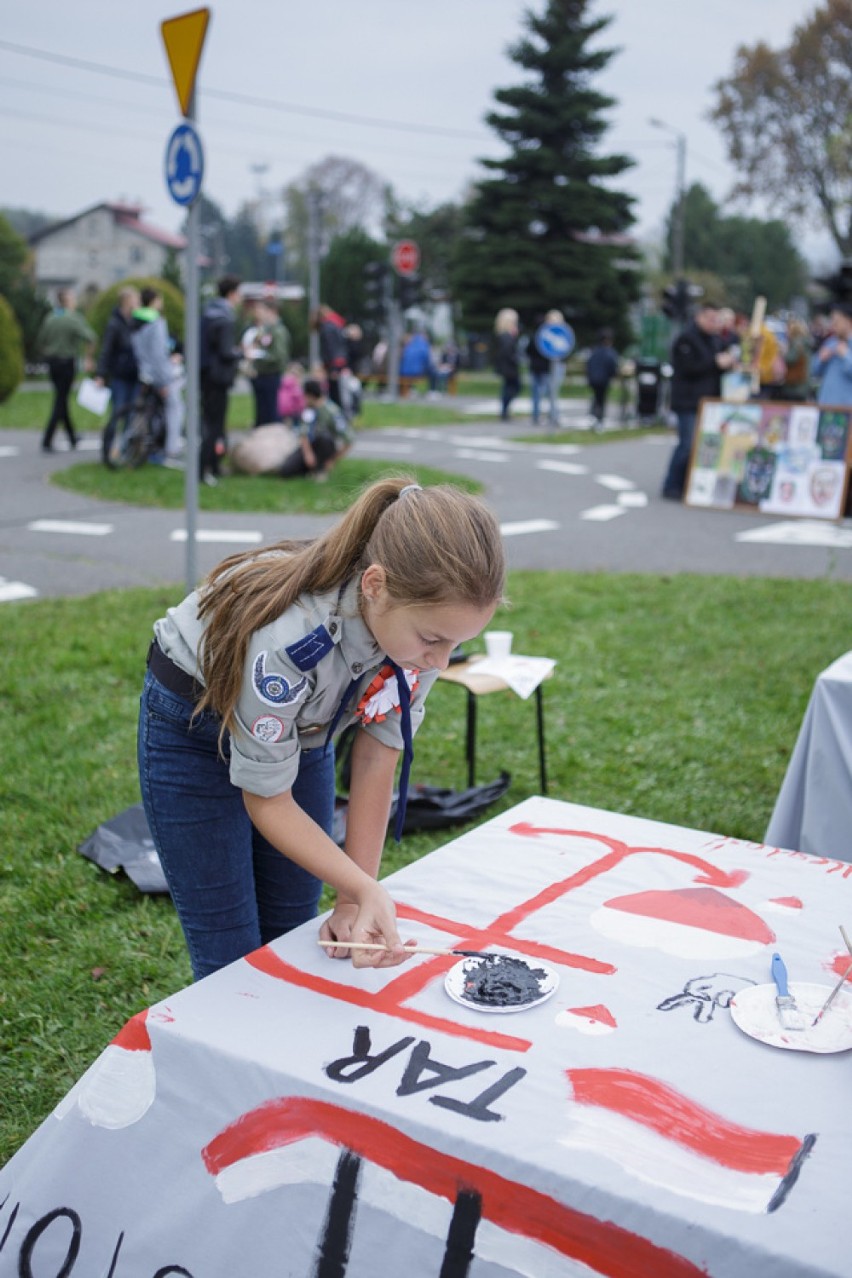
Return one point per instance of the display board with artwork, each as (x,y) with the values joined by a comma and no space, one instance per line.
(772,457)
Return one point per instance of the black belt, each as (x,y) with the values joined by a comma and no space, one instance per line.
(170,675)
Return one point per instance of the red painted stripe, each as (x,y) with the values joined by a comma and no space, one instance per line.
(605,1247)
(654,1105)
(385,1001)
(496,934)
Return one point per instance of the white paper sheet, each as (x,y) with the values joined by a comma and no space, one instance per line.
(92,396)
(522,674)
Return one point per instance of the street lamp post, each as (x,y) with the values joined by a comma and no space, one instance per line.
(680,205)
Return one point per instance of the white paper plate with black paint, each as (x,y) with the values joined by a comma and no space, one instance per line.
(500,983)
(754,1012)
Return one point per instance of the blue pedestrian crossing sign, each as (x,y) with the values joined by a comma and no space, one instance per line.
(555,341)
(184,165)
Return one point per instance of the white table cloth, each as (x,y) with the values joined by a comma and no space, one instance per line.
(813,811)
(292,1116)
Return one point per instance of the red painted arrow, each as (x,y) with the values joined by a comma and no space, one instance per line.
(711,874)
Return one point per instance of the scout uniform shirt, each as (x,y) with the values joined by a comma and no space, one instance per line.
(297,672)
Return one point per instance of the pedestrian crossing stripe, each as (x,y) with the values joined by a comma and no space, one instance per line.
(800,532)
(11,591)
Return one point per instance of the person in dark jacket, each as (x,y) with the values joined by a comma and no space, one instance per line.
(697,364)
(332,347)
(539,366)
(507,361)
(116,365)
(601,368)
(63,337)
(219,360)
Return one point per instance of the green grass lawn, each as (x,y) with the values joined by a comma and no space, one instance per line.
(262,494)
(674,698)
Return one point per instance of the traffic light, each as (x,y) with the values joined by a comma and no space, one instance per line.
(375,274)
(677,299)
(839,284)
(410,291)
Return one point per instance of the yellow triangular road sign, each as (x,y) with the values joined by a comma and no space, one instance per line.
(184,37)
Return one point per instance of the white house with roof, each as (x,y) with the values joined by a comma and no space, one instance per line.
(103,244)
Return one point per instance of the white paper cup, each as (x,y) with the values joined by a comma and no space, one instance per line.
(498,643)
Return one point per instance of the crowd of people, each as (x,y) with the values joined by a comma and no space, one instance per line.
(516,353)
(788,360)
(319,404)
(237,336)
(774,359)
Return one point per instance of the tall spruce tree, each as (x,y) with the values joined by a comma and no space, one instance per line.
(547,230)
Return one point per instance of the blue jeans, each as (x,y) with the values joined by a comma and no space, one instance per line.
(265,389)
(123,392)
(675,480)
(539,387)
(233,891)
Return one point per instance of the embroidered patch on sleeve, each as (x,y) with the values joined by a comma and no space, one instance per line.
(274,689)
(311,648)
(382,695)
(268,728)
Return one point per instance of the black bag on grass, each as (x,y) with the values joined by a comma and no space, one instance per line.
(431,808)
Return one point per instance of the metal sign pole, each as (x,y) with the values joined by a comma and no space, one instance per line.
(183,38)
(314,246)
(394,345)
(191,357)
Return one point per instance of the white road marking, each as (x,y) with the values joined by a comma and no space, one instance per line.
(12,590)
(416,432)
(800,532)
(528,526)
(72,527)
(600,514)
(9,450)
(614,483)
(213,536)
(363,446)
(544,447)
(563,468)
(480,441)
(633,500)
(472,454)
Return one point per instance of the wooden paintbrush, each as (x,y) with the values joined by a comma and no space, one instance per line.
(839,986)
(412,949)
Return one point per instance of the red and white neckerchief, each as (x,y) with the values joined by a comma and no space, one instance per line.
(382,695)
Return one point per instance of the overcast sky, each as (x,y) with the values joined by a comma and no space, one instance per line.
(87,101)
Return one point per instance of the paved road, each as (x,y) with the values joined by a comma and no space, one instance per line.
(584,508)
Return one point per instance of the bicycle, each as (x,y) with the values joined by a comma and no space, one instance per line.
(136,432)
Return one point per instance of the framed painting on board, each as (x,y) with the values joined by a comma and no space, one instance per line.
(775,458)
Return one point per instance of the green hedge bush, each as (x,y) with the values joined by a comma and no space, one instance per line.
(11,351)
(104,304)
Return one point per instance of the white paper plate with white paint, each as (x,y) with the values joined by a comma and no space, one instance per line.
(754,1011)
